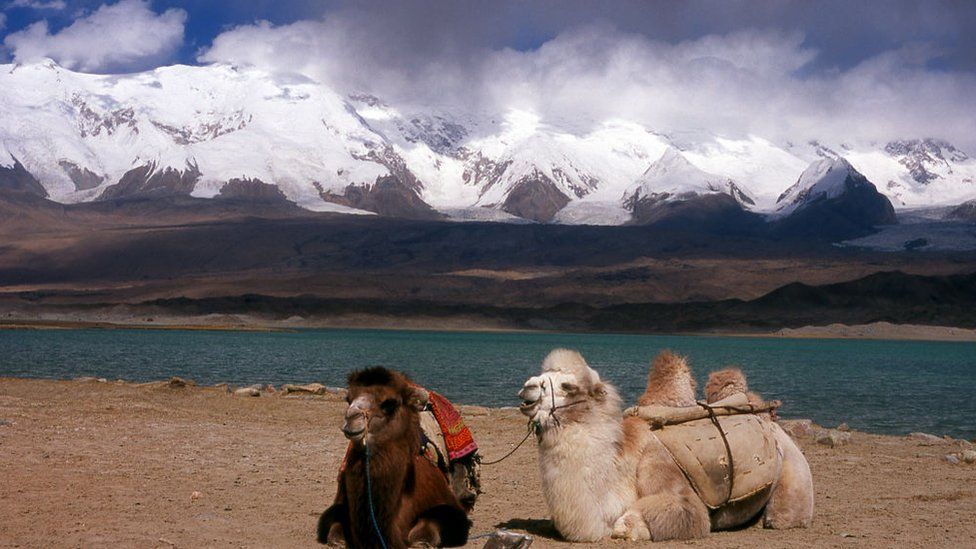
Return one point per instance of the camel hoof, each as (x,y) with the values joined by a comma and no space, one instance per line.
(631,526)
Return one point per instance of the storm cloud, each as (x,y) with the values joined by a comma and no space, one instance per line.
(836,72)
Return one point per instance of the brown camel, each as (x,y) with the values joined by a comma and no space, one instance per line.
(389,494)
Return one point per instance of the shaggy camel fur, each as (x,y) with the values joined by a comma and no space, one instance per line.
(729,381)
(410,497)
(604,475)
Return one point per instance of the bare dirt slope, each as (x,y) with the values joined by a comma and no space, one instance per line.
(102,464)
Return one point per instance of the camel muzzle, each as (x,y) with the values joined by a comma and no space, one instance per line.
(356,423)
(531,397)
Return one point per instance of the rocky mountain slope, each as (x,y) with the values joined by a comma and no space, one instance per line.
(220,131)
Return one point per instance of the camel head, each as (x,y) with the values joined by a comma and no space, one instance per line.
(567,391)
(383,405)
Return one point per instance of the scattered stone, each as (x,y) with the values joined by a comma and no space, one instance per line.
(90,379)
(474,411)
(195,495)
(926,439)
(309,389)
(179,383)
(269,388)
(969,456)
(952,459)
(505,539)
(5,422)
(224,386)
(247,391)
(844,427)
(832,437)
(798,428)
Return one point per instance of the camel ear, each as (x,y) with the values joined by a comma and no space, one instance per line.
(599,391)
(416,397)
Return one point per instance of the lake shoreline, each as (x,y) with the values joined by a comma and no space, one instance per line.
(133,464)
(246,323)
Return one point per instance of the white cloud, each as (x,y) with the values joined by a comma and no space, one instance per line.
(127,35)
(3,21)
(747,82)
(38,4)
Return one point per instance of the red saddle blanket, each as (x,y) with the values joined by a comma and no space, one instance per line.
(457,437)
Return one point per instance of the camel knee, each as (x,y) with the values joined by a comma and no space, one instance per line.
(440,526)
(670,516)
(426,533)
(330,528)
(791,506)
(631,527)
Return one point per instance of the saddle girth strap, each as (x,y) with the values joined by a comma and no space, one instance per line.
(728,449)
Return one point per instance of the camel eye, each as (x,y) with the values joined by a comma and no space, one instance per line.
(569,387)
(389,406)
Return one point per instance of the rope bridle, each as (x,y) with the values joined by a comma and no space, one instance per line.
(369,485)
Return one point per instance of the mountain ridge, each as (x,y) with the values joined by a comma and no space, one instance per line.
(191,130)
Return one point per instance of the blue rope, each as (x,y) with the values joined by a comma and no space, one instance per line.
(369,498)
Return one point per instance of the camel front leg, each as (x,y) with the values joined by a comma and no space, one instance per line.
(330,529)
(668,507)
(791,505)
(664,516)
(440,526)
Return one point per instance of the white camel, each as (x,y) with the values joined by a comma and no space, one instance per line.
(604,475)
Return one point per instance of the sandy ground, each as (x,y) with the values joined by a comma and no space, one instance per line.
(87,464)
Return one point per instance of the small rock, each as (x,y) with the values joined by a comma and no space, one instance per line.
(926,439)
(832,437)
(86,379)
(224,386)
(247,391)
(969,456)
(5,422)
(179,383)
(798,428)
(310,388)
(843,427)
(474,411)
(952,458)
(269,388)
(504,539)
(195,495)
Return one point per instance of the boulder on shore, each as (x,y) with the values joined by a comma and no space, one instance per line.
(798,428)
(925,439)
(833,437)
(308,389)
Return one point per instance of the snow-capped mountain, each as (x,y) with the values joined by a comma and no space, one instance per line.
(831,196)
(673,177)
(225,131)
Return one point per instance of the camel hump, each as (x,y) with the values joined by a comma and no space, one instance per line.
(700,452)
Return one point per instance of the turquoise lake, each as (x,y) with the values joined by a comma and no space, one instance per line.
(889,387)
